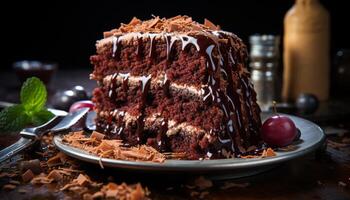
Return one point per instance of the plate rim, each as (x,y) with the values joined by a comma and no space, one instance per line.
(195,165)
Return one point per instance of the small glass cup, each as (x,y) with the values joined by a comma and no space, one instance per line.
(25,69)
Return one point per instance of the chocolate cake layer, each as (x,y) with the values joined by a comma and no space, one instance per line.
(178,86)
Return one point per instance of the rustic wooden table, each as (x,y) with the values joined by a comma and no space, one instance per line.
(324,174)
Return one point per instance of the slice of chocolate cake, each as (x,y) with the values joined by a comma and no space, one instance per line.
(178,86)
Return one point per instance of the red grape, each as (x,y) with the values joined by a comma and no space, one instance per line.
(81,104)
(278,131)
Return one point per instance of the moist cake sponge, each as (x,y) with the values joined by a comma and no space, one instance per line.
(178,86)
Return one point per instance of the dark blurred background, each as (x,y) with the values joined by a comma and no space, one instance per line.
(66,31)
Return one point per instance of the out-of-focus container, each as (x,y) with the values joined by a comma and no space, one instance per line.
(306,51)
(25,69)
(264,62)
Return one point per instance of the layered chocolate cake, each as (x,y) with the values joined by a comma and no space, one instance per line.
(178,86)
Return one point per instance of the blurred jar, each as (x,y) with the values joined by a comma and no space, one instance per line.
(25,69)
(264,62)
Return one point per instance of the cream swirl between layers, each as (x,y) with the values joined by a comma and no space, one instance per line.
(155,120)
(159,80)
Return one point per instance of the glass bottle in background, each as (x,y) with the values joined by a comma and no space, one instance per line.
(264,62)
(306,51)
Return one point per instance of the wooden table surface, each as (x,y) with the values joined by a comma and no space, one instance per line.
(324,174)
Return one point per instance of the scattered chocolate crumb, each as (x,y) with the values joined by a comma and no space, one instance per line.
(228,185)
(111,194)
(41,179)
(8,174)
(28,175)
(64,172)
(210,24)
(4,174)
(134,21)
(82,180)
(14,182)
(203,183)
(96,135)
(98,195)
(194,193)
(122,191)
(202,195)
(55,175)
(342,184)
(87,196)
(337,145)
(22,191)
(9,187)
(58,159)
(33,165)
(112,148)
(78,189)
(138,192)
(67,186)
(268,153)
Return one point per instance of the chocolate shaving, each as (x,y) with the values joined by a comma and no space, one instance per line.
(97,136)
(58,159)
(203,183)
(8,174)
(55,175)
(112,148)
(28,175)
(156,25)
(42,179)
(82,180)
(228,185)
(98,195)
(122,191)
(33,165)
(13,182)
(22,191)
(153,22)
(269,152)
(210,24)
(134,21)
(9,187)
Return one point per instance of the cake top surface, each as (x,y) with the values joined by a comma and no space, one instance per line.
(180,24)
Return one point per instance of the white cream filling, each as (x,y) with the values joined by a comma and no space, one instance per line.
(158,80)
(173,126)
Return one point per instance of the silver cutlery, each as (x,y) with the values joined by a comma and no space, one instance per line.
(30,135)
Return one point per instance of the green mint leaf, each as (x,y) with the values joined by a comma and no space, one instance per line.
(41,117)
(33,94)
(13,119)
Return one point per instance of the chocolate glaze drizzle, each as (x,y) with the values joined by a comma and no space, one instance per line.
(234,99)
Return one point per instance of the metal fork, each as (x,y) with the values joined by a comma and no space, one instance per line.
(30,135)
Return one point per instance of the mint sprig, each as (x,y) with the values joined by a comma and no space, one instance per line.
(31,111)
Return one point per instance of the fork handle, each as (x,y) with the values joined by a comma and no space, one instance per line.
(36,132)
